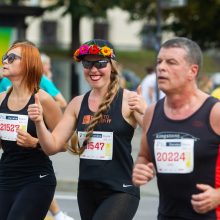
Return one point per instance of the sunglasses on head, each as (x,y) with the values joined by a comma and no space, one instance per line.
(10,57)
(99,64)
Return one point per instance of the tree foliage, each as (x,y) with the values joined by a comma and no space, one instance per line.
(86,8)
(10,2)
(139,9)
(198,20)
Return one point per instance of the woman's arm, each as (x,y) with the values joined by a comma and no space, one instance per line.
(53,142)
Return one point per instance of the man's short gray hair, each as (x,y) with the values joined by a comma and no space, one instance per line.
(193,51)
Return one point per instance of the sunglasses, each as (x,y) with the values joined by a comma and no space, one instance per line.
(99,64)
(10,57)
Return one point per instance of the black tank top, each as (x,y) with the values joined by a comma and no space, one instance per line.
(200,154)
(116,173)
(20,165)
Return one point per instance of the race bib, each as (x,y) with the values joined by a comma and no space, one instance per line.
(99,147)
(10,123)
(174,155)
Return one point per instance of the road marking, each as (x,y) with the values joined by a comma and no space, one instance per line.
(65,197)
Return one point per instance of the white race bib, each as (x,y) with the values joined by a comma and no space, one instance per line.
(174,155)
(99,147)
(10,123)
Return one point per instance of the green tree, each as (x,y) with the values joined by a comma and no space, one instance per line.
(139,9)
(10,2)
(198,20)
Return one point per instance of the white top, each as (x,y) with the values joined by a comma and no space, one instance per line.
(147,84)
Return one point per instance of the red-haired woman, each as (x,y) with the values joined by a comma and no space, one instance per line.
(27,180)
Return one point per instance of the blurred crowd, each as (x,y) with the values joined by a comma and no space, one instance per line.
(210,84)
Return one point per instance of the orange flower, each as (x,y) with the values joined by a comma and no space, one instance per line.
(75,55)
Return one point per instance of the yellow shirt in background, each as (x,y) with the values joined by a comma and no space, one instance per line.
(216,93)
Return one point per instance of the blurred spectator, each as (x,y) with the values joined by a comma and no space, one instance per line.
(216,85)
(215,80)
(5,84)
(48,85)
(216,93)
(47,66)
(149,86)
(205,84)
(128,78)
(132,80)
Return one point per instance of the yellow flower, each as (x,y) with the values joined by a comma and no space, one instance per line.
(106,51)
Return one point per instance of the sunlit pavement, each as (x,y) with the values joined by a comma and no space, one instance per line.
(48,218)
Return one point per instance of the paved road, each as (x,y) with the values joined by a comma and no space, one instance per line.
(67,201)
(66,167)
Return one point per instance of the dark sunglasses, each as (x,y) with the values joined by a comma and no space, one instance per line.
(99,64)
(10,57)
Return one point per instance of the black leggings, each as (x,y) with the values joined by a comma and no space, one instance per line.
(100,204)
(31,202)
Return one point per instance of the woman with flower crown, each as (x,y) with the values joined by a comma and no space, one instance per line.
(104,120)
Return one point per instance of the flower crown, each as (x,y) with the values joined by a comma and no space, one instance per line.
(93,49)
